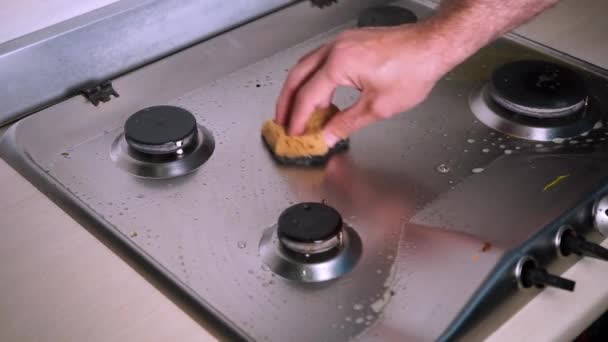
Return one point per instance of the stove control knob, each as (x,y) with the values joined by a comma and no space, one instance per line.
(310,228)
(568,242)
(600,215)
(529,273)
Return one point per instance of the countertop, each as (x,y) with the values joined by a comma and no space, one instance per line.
(60,283)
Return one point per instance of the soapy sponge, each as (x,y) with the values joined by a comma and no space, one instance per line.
(308,149)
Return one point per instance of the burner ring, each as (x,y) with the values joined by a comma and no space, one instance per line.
(310,243)
(160,166)
(310,228)
(538,88)
(160,129)
(527,127)
(319,267)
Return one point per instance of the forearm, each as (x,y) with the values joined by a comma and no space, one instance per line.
(464,26)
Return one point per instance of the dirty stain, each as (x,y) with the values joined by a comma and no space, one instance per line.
(555,182)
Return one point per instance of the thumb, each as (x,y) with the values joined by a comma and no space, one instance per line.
(347,122)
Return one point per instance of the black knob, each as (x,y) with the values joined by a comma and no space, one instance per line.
(572,243)
(534,275)
(310,228)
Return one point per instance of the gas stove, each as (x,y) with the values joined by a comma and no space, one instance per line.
(438,224)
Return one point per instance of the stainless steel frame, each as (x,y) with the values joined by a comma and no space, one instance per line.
(424,272)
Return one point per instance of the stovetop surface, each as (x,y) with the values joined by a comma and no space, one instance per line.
(436,197)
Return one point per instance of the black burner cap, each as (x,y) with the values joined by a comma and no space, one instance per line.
(309,222)
(160,125)
(537,87)
(386,16)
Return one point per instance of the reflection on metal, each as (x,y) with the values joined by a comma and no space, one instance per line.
(600,216)
(329,266)
(519,267)
(558,239)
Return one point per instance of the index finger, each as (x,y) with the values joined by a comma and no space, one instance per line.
(296,77)
(315,94)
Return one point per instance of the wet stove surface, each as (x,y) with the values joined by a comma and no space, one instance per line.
(204,229)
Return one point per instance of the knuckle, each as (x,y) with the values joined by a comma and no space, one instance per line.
(343,126)
(378,109)
(294,76)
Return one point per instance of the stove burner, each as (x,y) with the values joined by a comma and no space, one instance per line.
(310,243)
(386,16)
(538,89)
(162,142)
(536,100)
(160,130)
(310,228)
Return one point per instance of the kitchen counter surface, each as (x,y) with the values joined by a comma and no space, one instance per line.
(60,283)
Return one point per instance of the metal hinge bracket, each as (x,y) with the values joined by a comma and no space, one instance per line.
(100,93)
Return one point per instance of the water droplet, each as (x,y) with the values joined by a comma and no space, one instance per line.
(485,150)
(598,125)
(539,145)
(442,168)
(265,268)
(507,151)
(558,140)
(471,141)
(573,142)
(358,307)
(348,318)
(477,170)
(241,244)
(360,320)
(379,271)
(502,146)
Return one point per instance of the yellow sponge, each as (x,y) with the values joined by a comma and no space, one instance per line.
(308,149)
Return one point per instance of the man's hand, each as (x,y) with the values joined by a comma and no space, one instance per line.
(394,68)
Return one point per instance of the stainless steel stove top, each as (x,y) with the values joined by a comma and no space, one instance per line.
(445,209)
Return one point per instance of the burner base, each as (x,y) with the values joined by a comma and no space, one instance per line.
(500,119)
(173,165)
